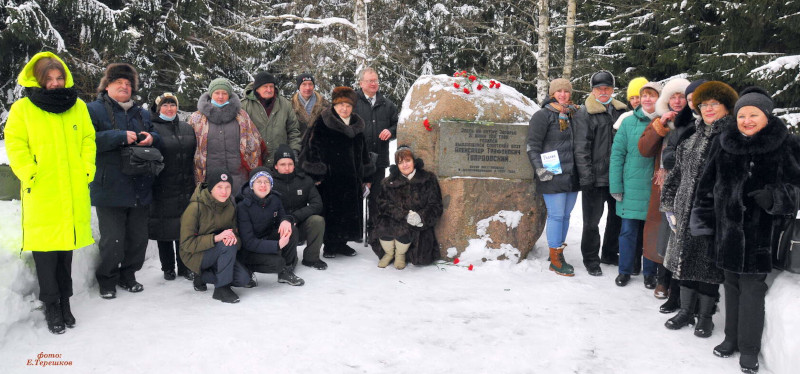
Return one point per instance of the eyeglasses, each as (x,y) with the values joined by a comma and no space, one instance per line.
(712,106)
(261,183)
(371,81)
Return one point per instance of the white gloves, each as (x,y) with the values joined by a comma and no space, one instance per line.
(414,219)
(672,220)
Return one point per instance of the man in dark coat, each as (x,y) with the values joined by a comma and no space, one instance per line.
(380,120)
(594,134)
(269,244)
(302,201)
(121,200)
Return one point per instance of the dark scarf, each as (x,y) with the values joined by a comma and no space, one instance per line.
(267,103)
(56,101)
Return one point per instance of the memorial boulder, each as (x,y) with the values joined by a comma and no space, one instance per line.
(475,143)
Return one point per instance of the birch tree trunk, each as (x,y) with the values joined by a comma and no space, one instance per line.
(569,41)
(543,56)
(362,32)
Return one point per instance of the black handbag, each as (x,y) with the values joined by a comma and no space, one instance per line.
(138,160)
(787,250)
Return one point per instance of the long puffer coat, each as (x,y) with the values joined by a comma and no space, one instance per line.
(53,155)
(545,135)
(687,256)
(173,187)
(336,155)
(631,173)
(738,165)
(399,195)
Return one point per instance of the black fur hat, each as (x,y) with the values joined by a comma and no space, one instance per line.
(343,95)
(716,90)
(116,71)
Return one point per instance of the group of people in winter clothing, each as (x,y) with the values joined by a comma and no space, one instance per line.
(240,184)
(696,178)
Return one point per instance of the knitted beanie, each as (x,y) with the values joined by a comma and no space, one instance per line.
(220,84)
(558,85)
(757,97)
(635,86)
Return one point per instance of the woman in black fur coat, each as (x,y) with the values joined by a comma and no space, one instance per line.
(750,178)
(335,155)
(409,206)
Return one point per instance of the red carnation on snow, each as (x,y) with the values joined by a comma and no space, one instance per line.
(472,78)
(456,85)
(480,87)
(466,90)
(456,260)
(470,267)
(497,85)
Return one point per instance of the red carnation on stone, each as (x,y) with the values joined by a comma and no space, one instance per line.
(456,260)
(472,78)
(426,122)
(456,85)
(466,90)
(480,87)
(470,267)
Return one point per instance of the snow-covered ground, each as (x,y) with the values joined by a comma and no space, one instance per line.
(501,317)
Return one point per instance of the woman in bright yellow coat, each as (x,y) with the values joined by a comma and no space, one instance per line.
(50,143)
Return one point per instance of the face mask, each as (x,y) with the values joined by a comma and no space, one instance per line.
(606,103)
(220,105)
(165,118)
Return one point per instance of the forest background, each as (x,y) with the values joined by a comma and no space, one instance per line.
(181,45)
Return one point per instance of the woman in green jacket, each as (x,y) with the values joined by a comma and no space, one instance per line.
(629,181)
(50,143)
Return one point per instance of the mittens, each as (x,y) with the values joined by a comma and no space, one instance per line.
(414,219)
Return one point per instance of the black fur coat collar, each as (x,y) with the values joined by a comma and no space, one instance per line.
(334,122)
(767,140)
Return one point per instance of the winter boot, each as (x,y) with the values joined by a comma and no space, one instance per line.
(705,325)
(673,302)
(66,313)
(558,264)
(287,276)
(400,254)
(199,284)
(169,275)
(748,363)
(388,247)
(225,294)
(54,318)
(685,314)
(726,349)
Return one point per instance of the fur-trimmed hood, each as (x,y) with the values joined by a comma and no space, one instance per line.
(332,120)
(677,85)
(594,107)
(770,138)
(216,114)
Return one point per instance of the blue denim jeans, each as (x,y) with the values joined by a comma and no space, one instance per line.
(559,207)
(627,248)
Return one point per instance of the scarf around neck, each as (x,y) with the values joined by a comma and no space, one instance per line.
(565,112)
(56,101)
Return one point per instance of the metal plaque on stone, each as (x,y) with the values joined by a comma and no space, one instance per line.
(478,150)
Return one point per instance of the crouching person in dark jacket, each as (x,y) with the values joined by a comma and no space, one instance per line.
(302,201)
(409,206)
(269,244)
(209,238)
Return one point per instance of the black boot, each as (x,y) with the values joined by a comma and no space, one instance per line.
(66,313)
(199,284)
(726,349)
(673,302)
(748,363)
(54,318)
(685,314)
(225,294)
(705,325)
